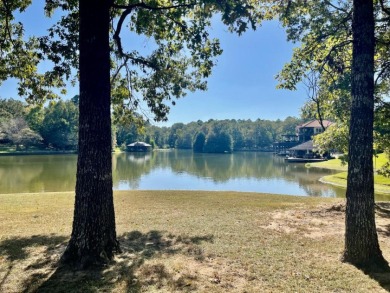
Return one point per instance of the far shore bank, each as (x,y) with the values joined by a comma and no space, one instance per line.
(36,152)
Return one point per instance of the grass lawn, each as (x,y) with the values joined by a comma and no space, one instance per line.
(382,184)
(181,241)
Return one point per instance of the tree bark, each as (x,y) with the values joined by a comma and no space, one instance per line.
(93,238)
(361,239)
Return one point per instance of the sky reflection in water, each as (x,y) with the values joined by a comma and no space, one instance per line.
(176,170)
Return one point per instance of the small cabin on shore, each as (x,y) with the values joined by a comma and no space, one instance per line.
(139,146)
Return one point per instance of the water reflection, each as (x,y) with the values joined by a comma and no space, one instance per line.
(128,168)
(242,171)
(20,174)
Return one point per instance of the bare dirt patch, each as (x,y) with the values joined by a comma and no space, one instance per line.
(320,222)
(324,220)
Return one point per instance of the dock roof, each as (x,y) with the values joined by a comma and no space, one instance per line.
(139,143)
(308,145)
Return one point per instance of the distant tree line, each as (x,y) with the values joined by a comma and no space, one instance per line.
(212,136)
(55,126)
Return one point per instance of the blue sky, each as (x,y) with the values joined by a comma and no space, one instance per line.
(242,85)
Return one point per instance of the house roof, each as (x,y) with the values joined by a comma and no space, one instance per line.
(308,145)
(139,143)
(316,123)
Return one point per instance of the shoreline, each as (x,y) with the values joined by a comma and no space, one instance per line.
(340,179)
(32,153)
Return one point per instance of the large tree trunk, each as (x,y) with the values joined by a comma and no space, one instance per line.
(361,239)
(93,238)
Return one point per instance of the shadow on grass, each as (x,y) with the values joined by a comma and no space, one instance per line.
(20,249)
(383,209)
(16,248)
(383,279)
(42,273)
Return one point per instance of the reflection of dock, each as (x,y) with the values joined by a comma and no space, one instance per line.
(139,158)
(282,154)
(303,160)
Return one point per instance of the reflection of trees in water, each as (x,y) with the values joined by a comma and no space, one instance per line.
(250,165)
(37,173)
(308,179)
(15,177)
(218,167)
(130,167)
(224,167)
(58,172)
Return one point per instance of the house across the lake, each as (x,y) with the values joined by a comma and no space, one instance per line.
(300,144)
(306,131)
(139,146)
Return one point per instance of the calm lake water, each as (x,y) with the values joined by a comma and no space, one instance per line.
(181,170)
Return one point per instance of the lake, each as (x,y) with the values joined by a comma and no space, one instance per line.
(176,169)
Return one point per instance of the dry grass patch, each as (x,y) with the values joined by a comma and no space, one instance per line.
(181,241)
(319,223)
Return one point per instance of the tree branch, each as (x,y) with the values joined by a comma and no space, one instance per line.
(335,7)
(334,49)
(385,9)
(312,91)
(147,6)
(128,9)
(7,24)
(115,75)
(385,67)
(337,27)
(116,36)
(183,26)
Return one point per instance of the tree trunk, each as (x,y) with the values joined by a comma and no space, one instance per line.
(361,239)
(93,238)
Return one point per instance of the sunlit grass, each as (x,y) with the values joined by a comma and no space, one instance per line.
(382,183)
(333,164)
(380,160)
(337,164)
(180,241)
